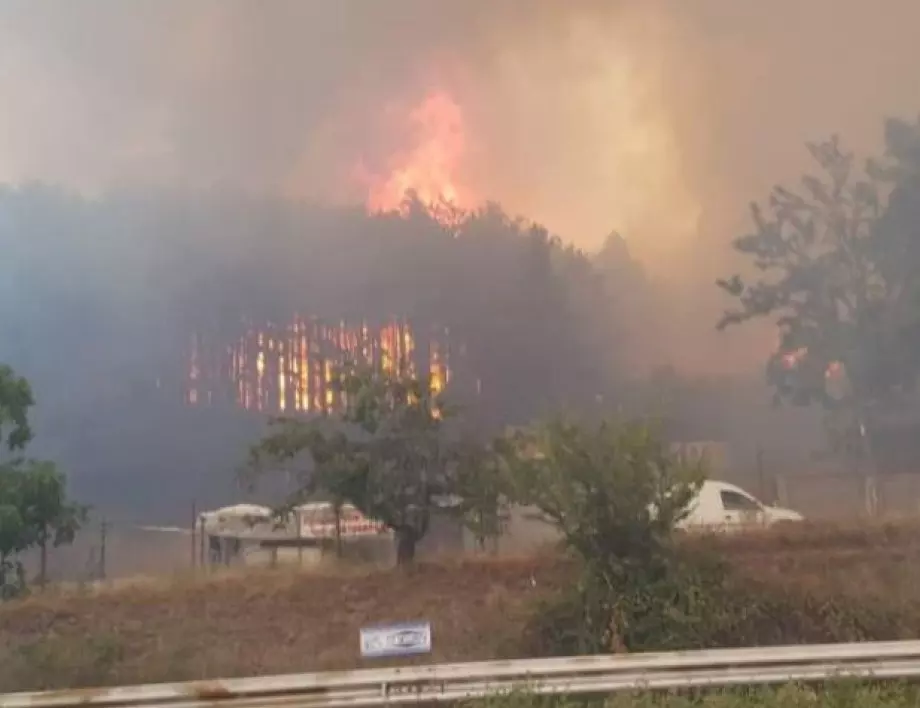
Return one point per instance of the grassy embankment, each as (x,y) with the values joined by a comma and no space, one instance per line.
(836,696)
(817,584)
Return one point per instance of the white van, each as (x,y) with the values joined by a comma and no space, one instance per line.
(724,506)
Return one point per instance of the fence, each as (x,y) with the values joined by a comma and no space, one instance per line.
(106,550)
(454,682)
(848,496)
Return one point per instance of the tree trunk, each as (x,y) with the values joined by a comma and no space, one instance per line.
(870,474)
(338,530)
(405,546)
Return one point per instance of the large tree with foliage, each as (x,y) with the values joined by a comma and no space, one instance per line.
(34,508)
(15,401)
(13,532)
(50,517)
(839,262)
(388,452)
(481,492)
(15,434)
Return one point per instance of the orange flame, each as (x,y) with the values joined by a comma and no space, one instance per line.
(290,367)
(429,166)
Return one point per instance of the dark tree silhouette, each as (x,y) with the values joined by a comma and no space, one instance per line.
(839,271)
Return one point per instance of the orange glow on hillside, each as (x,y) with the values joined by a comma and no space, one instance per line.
(430,163)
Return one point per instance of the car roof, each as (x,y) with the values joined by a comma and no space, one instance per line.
(716,485)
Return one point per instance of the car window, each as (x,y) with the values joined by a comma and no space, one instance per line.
(735,501)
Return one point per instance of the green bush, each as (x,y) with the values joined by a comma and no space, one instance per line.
(684,609)
(56,661)
(615,493)
(714,605)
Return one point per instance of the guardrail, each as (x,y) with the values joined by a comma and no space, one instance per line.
(454,682)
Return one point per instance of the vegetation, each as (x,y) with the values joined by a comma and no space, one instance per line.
(845,695)
(839,261)
(615,493)
(387,452)
(34,509)
(850,323)
(481,495)
(15,401)
(855,583)
(225,263)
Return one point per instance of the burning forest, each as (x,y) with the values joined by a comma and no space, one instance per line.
(290,368)
(217,312)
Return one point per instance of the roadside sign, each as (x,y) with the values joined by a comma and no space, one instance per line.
(396,640)
(317,520)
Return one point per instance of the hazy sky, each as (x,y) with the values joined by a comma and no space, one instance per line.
(589,114)
(661,118)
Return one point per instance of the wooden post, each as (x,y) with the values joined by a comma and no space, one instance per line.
(43,564)
(782,493)
(194,543)
(762,476)
(871,496)
(103,532)
(204,559)
(298,519)
(337,507)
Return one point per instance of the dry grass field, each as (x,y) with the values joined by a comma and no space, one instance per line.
(814,583)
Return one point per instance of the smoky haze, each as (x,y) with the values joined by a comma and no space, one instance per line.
(657,119)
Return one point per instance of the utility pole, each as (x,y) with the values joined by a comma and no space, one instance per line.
(762,476)
(203,560)
(194,545)
(298,519)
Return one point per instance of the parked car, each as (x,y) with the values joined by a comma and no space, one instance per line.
(724,506)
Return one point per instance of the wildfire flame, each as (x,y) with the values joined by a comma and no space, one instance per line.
(429,166)
(290,367)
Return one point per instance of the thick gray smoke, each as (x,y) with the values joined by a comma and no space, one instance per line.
(659,119)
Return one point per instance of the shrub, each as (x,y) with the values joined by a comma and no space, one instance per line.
(53,661)
(615,493)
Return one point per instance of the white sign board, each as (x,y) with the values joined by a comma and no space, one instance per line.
(317,520)
(396,640)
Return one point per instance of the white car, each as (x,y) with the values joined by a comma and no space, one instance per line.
(724,506)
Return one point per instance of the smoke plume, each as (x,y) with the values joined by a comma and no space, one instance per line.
(660,120)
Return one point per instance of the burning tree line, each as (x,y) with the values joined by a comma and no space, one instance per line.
(153,299)
(291,368)
(496,308)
